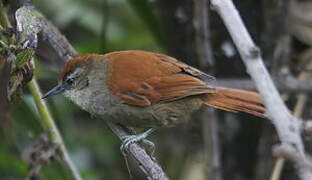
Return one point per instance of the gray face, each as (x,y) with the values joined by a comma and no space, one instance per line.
(86,87)
(81,89)
(76,80)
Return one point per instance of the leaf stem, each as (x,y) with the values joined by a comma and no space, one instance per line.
(49,126)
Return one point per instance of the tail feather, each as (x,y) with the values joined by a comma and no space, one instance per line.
(235,100)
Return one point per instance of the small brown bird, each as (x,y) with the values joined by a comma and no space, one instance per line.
(145,89)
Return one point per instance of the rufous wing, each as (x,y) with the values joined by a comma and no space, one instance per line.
(142,78)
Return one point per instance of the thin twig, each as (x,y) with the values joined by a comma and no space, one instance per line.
(277,169)
(201,27)
(287,126)
(298,110)
(307,126)
(47,122)
(291,154)
(210,128)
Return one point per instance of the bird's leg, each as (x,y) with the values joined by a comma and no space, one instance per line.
(127,140)
(151,147)
(149,144)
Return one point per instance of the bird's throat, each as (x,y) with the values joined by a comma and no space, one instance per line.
(94,98)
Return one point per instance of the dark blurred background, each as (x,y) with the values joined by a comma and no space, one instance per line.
(216,144)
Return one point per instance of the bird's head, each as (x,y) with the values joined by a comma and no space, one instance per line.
(73,75)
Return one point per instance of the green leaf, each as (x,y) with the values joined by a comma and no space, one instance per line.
(24,56)
(145,11)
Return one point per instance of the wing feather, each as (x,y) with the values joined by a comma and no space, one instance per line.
(142,78)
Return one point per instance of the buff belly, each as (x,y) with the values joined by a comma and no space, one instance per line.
(168,114)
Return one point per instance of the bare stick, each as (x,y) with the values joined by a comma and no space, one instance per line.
(291,154)
(287,126)
(150,167)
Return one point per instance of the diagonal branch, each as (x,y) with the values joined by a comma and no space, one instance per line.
(63,50)
(287,126)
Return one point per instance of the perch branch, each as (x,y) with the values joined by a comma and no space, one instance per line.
(64,51)
(148,165)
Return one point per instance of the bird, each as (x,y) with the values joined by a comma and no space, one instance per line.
(144,89)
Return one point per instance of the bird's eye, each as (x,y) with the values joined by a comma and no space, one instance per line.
(70,81)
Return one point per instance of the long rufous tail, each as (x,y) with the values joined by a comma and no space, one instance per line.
(235,100)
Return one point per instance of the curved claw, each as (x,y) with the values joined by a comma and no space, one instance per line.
(128,140)
(150,145)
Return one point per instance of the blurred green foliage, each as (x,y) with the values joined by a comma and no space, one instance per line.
(88,24)
(94,26)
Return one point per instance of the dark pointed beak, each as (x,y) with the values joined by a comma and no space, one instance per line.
(56,90)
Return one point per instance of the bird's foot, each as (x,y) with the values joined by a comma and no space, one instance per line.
(128,140)
(150,147)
